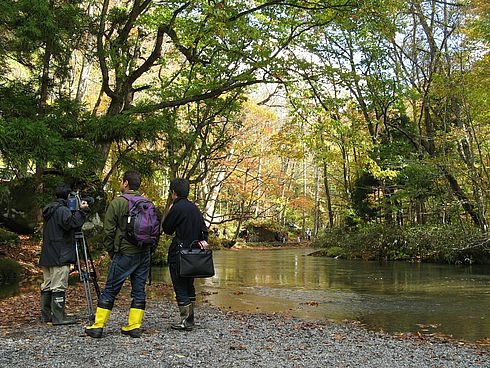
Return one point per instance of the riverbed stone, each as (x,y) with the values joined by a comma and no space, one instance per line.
(228,339)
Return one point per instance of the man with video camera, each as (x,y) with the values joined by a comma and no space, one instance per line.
(58,253)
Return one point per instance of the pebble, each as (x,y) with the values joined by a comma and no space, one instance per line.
(228,339)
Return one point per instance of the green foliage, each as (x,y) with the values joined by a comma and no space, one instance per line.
(9,270)
(444,244)
(159,256)
(18,99)
(58,139)
(362,199)
(418,180)
(34,26)
(335,252)
(420,243)
(382,128)
(8,237)
(372,241)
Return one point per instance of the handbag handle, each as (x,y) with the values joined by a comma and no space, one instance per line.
(196,244)
(200,244)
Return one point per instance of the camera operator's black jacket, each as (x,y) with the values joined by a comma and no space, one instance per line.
(186,221)
(59,228)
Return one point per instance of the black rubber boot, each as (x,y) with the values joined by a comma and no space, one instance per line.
(190,319)
(58,309)
(46,306)
(184,324)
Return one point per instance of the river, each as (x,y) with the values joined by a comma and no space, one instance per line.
(392,297)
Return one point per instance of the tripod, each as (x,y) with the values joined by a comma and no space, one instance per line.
(86,270)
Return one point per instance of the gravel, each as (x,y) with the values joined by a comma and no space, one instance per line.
(228,339)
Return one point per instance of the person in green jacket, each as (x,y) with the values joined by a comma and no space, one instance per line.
(127,261)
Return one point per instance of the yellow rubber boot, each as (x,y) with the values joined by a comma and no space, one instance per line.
(101,318)
(135,318)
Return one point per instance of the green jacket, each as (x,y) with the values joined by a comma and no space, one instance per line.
(116,218)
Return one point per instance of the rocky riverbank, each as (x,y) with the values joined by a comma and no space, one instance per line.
(224,339)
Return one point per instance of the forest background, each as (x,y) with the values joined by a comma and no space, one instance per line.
(365,123)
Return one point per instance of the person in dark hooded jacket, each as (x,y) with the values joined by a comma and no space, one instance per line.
(58,252)
(186,222)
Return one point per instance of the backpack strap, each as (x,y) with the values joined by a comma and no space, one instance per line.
(131,203)
(128,197)
(133,199)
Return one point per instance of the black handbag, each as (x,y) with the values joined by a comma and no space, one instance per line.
(196,262)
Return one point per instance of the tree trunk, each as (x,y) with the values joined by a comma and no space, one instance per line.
(316,220)
(211,191)
(327,193)
(463,199)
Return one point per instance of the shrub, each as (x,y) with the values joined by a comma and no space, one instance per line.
(442,244)
(9,270)
(159,256)
(336,252)
(8,237)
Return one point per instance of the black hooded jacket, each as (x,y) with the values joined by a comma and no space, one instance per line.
(60,224)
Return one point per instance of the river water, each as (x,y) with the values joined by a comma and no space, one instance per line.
(392,297)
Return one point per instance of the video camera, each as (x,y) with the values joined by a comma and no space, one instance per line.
(74,201)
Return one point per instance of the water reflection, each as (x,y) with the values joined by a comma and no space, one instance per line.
(395,297)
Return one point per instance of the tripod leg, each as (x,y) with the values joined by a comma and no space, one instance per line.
(93,274)
(84,272)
